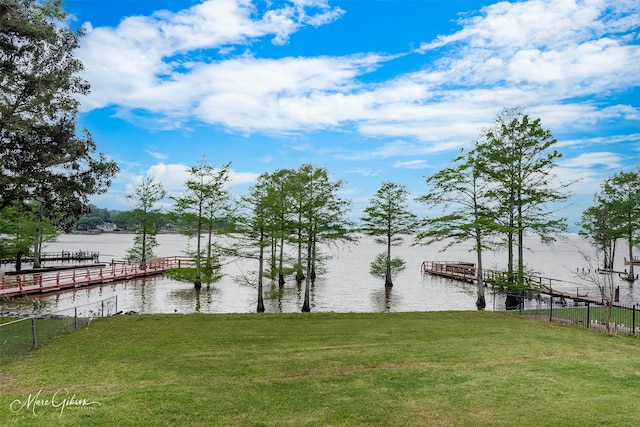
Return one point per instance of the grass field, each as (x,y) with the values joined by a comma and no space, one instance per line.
(324,369)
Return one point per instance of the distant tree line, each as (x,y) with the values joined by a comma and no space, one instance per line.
(122,220)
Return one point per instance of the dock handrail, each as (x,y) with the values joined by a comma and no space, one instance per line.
(43,281)
(466,271)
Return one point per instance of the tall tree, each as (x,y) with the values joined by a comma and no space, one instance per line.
(41,155)
(254,224)
(518,161)
(144,199)
(277,211)
(280,210)
(388,219)
(462,193)
(195,208)
(597,227)
(322,217)
(620,195)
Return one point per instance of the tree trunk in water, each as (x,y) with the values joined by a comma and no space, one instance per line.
(510,273)
(299,273)
(612,256)
(388,283)
(313,261)
(513,301)
(481,302)
(306,307)
(19,262)
(144,245)
(520,257)
(632,276)
(197,283)
(280,264)
(209,245)
(260,308)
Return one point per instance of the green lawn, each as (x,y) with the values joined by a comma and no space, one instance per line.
(321,369)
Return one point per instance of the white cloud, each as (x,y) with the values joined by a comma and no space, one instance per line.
(156,155)
(130,64)
(174,176)
(633,138)
(241,178)
(588,160)
(543,55)
(412,164)
(551,50)
(289,94)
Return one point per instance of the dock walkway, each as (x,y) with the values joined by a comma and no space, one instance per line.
(466,272)
(56,280)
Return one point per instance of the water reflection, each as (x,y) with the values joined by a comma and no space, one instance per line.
(381,299)
(190,300)
(346,285)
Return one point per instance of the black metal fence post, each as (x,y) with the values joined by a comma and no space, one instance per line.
(588,313)
(33,332)
(551,309)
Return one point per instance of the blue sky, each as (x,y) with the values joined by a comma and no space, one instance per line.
(374,90)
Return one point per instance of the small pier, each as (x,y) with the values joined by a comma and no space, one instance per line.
(48,280)
(457,270)
(466,272)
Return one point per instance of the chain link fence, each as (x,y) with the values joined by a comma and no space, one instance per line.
(27,333)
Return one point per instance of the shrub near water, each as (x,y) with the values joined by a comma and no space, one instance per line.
(439,368)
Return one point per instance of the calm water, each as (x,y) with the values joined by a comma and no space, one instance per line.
(345,286)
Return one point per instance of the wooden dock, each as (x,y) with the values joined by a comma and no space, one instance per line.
(466,272)
(457,270)
(56,280)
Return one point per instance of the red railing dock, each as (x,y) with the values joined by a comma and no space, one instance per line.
(466,272)
(56,280)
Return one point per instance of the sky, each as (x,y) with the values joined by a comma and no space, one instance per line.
(373,90)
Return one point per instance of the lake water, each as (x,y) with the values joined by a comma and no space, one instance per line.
(344,286)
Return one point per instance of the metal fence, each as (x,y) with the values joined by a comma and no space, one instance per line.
(618,318)
(27,333)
